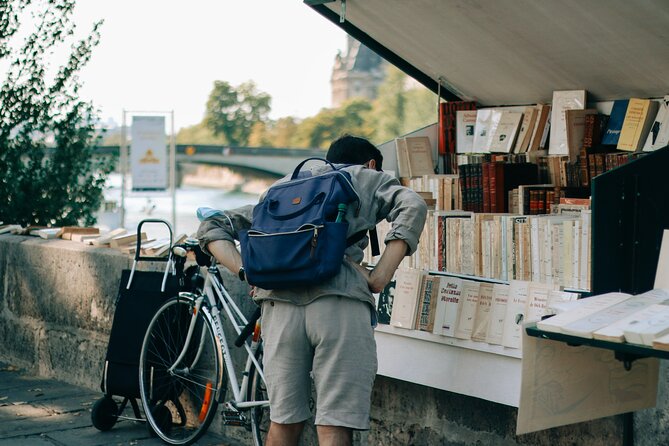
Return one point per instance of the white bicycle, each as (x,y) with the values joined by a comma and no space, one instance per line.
(185,363)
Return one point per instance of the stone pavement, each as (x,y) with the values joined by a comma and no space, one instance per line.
(42,412)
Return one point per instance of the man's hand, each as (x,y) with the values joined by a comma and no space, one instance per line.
(378,278)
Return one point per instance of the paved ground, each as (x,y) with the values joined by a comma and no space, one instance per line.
(41,412)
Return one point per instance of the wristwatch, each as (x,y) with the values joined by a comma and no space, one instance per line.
(242,274)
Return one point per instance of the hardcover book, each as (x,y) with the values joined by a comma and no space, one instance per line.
(541,128)
(639,118)
(658,136)
(504,137)
(562,101)
(419,156)
(526,129)
(486,124)
(615,122)
(575,123)
(465,123)
(402,158)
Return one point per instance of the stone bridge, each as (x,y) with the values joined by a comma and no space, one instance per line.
(275,161)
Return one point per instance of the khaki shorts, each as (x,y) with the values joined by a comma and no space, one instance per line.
(333,337)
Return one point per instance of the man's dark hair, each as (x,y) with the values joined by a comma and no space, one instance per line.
(350,149)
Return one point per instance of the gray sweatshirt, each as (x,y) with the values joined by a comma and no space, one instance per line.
(381,197)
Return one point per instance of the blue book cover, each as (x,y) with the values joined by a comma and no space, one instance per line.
(615,124)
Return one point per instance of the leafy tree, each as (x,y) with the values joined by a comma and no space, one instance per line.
(319,131)
(401,106)
(279,133)
(47,134)
(232,111)
(199,134)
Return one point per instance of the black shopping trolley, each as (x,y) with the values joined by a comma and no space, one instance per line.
(140,295)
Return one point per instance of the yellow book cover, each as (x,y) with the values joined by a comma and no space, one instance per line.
(638,120)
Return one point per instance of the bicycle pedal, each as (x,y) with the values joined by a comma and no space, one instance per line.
(233,418)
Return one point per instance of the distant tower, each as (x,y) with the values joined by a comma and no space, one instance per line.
(357,73)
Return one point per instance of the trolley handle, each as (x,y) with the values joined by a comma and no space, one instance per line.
(246,331)
(138,256)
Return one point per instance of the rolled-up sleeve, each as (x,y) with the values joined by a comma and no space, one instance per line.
(402,207)
(224,227)
(407,218)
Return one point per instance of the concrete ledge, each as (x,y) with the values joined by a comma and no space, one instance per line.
(56,309)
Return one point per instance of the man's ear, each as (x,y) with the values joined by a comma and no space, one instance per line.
(371,164)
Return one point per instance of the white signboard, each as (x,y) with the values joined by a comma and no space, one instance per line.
(148,153)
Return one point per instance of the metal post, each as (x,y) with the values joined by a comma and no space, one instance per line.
(173,173)
(124,167)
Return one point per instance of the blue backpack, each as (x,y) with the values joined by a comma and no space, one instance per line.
(294,240)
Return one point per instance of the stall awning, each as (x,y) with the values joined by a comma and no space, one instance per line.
(512,52)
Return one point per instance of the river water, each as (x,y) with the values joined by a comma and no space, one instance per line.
(145,205)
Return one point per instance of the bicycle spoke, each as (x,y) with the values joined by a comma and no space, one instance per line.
(188,395)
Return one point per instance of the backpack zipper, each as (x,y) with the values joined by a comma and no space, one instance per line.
(303,228)
(314,242)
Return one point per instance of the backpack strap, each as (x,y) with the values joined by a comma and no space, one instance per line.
(373,240)
(296,172)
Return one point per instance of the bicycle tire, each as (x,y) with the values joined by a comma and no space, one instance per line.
(192,391)
(259,415)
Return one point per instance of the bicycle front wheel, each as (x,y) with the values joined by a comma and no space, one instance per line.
(259,415)
(180,398)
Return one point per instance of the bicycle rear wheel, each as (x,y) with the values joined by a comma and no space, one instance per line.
(180,404)
(259,415)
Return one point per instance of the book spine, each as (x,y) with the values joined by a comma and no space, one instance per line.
(486,180)
(479,186)
(442,128)
(464,186)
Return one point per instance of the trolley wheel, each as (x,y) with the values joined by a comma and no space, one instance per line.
(163,418)
(104,413)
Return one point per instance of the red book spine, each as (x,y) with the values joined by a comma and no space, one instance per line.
(541,201)
(479,187)
(488,171)
(550,200)
(534,205)
(450,119)
(442,128)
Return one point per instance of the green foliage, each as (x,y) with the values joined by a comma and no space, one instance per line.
(279,133)
(232,111)
(330,123)
(401,107)
(47,135)
(199,134)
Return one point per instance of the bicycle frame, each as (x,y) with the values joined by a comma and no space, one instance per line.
(215,293)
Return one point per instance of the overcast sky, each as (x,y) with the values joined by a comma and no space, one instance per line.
(165,55)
